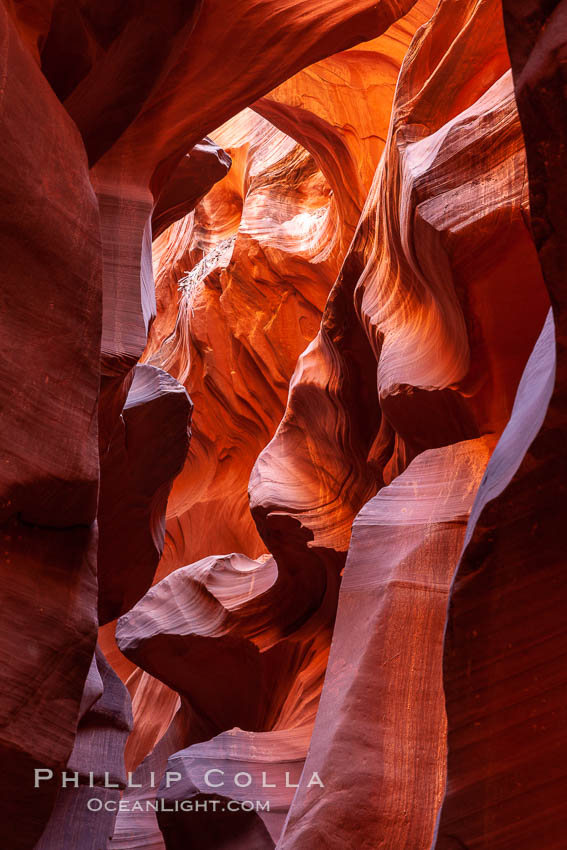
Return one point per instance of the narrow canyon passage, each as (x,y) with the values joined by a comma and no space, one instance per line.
(282,424)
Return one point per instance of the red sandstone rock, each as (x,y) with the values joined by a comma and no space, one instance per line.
(445,415)
(506,775)
(51,245)
(194,526)
(97,760)
(250,299)
(155,117)
(50,323)
(203,166)
(145,454)
(496,748)
(217,632)
(387,784)
(138,828)
(339,110)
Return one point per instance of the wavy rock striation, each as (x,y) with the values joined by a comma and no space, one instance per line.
(97,761)
(227,229)
(505,623)
(387,653)
(405,337)
(249,298)
(49,377)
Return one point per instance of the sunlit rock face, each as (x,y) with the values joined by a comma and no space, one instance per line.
(283,423)
(339,109)
(391,618)
(442,222)
(263,250)
(248,273)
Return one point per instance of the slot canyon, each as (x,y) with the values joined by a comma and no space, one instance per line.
(283,424)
